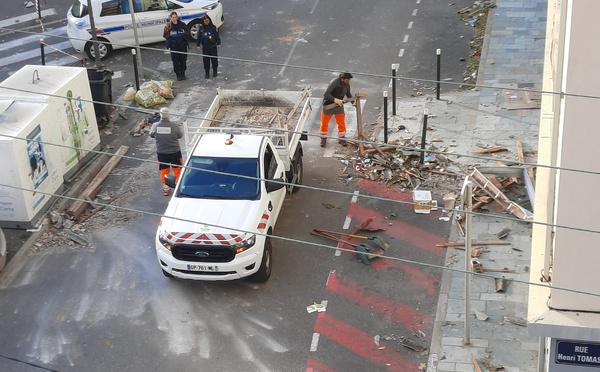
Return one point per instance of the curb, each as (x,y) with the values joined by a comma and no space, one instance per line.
(14,266)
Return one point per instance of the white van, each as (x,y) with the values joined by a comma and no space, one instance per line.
(113,21)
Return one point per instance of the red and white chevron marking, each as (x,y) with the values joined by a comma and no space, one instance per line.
(262,224)
(203,238)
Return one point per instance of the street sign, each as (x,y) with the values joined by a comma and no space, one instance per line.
(577,353)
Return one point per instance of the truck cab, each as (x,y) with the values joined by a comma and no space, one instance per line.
(233,185)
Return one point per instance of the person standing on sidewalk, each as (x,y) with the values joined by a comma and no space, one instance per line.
(208,37)
(176,33)
(334,96)
(168,152)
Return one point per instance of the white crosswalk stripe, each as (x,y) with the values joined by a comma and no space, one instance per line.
(61,31)
(26,50)
(26,18)
(33,53)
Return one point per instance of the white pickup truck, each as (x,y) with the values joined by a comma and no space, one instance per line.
(238,137)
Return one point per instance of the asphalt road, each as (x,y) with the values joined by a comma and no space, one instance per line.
(110,308)
(339,35)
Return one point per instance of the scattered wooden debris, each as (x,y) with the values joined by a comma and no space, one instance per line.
(473,243)
(502,234)
(478,268)
(490,150)
(90,192)
(480,315)
(486,185)
(475,364)
(501,284)
(412,344)
(516,321)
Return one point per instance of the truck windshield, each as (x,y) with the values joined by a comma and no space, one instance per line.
(208,185)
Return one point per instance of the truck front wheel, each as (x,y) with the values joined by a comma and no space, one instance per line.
(264,271)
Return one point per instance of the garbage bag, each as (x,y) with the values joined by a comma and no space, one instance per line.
(129,94)
(164,87)
(148,98)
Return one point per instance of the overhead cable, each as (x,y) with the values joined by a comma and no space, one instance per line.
(299,241)
(459,210)
(365,142)
(321,69)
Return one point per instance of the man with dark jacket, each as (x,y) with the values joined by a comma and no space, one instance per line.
(334,96)
(176,34)
(208,37)
(168,152)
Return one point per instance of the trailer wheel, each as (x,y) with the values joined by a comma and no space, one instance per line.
(299,172)
(264,271)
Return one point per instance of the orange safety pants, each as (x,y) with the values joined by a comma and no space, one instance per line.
(340,119)
(164,172)
(169,162)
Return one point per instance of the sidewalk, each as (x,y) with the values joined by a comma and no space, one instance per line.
(512,56)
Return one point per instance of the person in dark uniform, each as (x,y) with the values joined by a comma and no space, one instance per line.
(208,37)
(334,96)
(176,33)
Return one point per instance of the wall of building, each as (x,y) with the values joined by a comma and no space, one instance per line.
(577,254)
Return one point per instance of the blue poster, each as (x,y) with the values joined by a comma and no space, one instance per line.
(37,157)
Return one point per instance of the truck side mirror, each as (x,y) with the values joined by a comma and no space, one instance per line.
(274,186)
(170,180)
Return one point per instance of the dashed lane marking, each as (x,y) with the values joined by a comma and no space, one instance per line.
(415,11)
(312,10)
(418,1)
(348,220)
(401,52)
(405,40)
(314,344)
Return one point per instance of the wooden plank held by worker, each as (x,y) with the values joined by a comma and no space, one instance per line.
(90,192)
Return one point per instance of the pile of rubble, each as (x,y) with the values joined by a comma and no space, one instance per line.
(395,166)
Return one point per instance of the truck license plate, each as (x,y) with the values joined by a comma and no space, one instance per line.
(202,268)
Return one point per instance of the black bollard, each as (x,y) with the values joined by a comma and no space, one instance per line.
(439,73)
(394,68)
(385,116)
(424,136)
(42,52)
(135,70)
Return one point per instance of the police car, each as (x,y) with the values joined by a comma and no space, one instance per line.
(114,26)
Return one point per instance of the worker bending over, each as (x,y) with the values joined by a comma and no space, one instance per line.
(333,105)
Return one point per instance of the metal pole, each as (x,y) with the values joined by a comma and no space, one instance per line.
(385,116)
(439,73)
(94,36)
(468,266)
(394,67)
(424,136)
(135,70)
(137,40)
(38,7)
(43,54)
